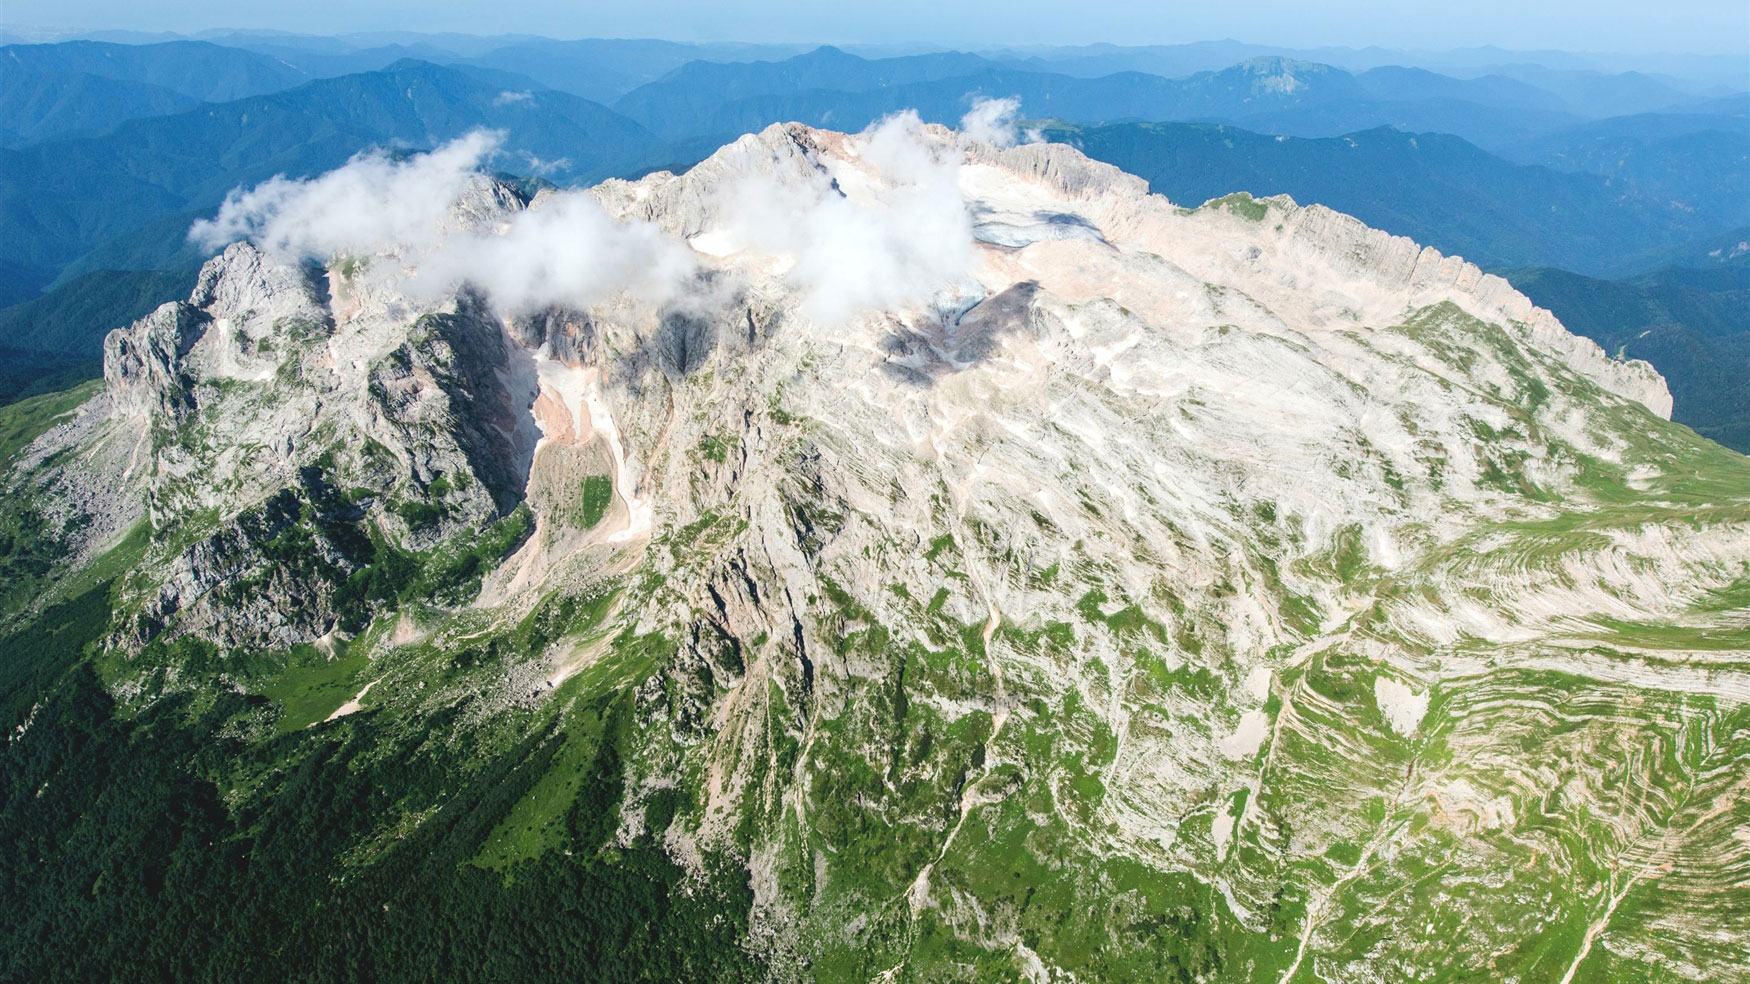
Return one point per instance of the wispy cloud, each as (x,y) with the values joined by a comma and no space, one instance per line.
(567,252)
(890,232)
(542,167)
(992,121)
(895,243)
(357,208)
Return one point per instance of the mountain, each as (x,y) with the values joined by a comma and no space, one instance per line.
(1596,84)
(38,106)
(54,91)
(1700,160)
(606,69)
(1169,61)
(59,200)
(201,71)
(25,373)
(1711,252)
(1598,94)
(1396,83)
(73,319)
(1691,325)
(703,98)
(1282,95)
(1431,187)
(962,565)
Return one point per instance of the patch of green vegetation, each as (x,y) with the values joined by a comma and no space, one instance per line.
(939,544)
(716,447)
(29,552)
(312,685)
(420,516)
(1241,204)
(453,572)
(184,841)
(937,601)
(1196,681)
(25,421)
(593,500)
(1665,635)
(35,655)
(537,823)
(1089,912)
(1127,621)
(349,266)
(1053,636)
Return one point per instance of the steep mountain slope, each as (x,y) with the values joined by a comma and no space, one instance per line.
(1236,593)
(58,200)
(73,319)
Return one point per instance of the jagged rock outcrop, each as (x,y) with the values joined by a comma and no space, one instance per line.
(144,371)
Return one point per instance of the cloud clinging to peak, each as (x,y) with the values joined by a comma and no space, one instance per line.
(567,252)
(890,242)
(886,229)
(992,121)
(371,200)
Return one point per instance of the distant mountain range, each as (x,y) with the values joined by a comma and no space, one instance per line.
(1434,188)
(53,91)
(1276,95)
(113,149)
(59,200)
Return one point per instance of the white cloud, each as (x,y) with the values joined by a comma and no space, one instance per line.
(886,240)
(887,230)
(992,121)
(566,252)
(542,167)
(507,97)
(357,208)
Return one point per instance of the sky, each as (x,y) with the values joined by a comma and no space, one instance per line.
(1630,26)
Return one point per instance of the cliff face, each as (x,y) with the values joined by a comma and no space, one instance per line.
(1223,591)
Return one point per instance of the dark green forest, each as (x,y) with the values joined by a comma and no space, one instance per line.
(162,846)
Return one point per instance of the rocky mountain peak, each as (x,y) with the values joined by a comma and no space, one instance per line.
(897,482)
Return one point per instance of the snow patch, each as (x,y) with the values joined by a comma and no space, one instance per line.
(1222,830)
(1403,708)
(1257,685)
(1248,737)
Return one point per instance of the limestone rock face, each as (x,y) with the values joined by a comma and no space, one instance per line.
(143,365)
(1223,571)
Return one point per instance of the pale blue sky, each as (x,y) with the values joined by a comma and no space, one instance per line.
(1637,26)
